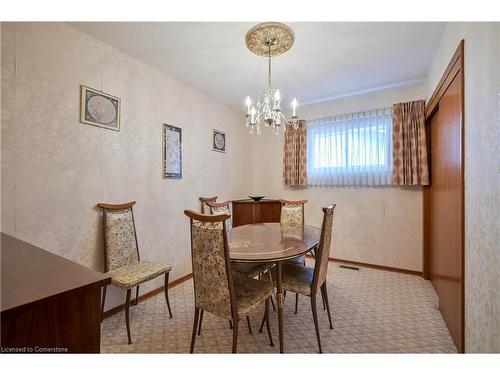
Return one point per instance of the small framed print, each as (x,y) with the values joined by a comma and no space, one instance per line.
(218,141)
(99,109)
(172,152)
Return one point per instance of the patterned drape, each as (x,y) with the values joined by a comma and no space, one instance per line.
(295,156)
(409,144)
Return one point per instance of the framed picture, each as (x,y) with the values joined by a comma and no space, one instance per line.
(219,141)
(99,109)
(172,151)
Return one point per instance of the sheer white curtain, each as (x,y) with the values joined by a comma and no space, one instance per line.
(352,149)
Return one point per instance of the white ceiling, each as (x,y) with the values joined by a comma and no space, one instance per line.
(328,60)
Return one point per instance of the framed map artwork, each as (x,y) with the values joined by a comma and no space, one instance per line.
(99,109)
(172,152)
(218,141)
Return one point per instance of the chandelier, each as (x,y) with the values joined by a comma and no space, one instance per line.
(269,39)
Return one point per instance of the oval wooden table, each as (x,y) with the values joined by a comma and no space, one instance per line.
(272,243)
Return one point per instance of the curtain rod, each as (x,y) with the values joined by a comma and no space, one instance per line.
(353,115)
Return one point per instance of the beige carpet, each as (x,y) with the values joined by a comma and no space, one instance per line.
(373,312)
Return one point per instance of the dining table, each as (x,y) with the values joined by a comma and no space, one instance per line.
(273,243)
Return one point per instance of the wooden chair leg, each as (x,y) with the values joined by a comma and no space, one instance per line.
(249,325)
(103,301)
(195,326)
(263,321)
(235,335)
(272,303)
(127,321)
(315,318)
(166,295)
(201,320)
(266,317)
(137,295)
(325,298)
(297,294)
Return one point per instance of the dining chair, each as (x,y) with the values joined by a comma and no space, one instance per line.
(220,208)
(211,207)
(217,289)
(122,261)
(306,280)
(292,212)
(204,200)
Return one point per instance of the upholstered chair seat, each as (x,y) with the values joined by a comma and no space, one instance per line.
(250,293)
(131,275)
(296,278)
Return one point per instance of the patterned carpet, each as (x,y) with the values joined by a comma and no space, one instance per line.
(373,312)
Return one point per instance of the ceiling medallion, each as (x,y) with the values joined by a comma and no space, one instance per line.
(278,35)
(269,39)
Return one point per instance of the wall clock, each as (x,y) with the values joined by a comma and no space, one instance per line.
(219,141)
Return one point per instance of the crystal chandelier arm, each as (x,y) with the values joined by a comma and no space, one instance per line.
(259,115)
(269,68)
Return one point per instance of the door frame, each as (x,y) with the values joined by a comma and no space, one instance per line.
(455,66)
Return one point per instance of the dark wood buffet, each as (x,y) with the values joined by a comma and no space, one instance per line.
(49,304)
(248,211)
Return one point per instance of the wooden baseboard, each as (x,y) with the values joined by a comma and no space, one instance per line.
(375,266)
(145,296)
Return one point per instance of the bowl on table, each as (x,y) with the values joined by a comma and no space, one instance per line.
(256,198)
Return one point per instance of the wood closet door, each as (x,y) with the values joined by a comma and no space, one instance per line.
(444,204)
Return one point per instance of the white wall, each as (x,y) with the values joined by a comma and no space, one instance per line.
(378,225)
(482,175)
(55,169)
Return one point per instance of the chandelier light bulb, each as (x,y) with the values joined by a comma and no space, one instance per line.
(248,103)
(294,106)
(277,95)
(252,114)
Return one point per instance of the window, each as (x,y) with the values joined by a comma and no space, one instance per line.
(353,149)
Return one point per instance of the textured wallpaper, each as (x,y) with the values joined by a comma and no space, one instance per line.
(482,175)
(55,169)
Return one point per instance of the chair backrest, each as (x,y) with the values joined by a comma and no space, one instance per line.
(323,251)
(292,212)
(204,200)
(219,209)
(213,283)
(120,239)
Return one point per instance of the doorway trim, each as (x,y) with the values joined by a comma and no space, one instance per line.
(455,66)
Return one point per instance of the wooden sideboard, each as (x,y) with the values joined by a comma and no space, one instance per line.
(49,304)
(248,211)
